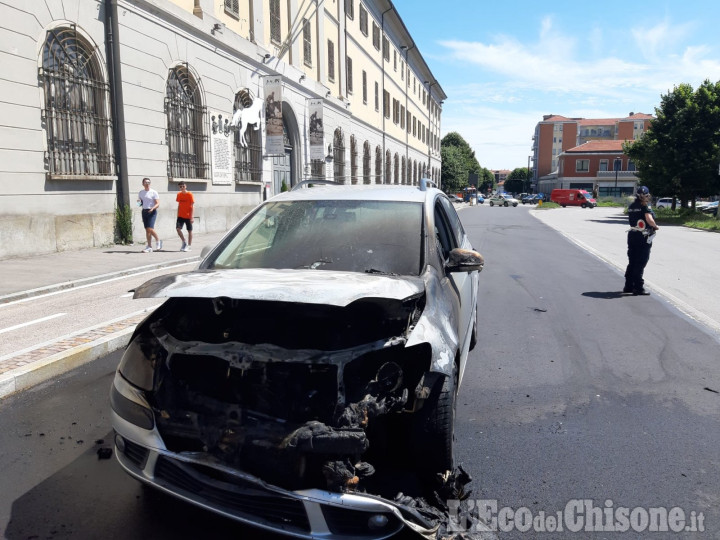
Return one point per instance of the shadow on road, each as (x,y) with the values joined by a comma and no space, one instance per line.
(94,498)
(607,295)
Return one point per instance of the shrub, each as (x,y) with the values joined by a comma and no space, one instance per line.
(123,224)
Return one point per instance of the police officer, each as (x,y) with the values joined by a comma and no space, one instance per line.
(639,240)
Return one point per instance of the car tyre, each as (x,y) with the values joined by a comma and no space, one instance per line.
(514,205)
(506,203)
(433,426)
(491,203)
(473,335)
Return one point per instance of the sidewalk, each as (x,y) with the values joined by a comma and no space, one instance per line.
(27,277)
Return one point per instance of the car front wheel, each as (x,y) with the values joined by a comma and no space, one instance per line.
(491,203)
(433,436)
(506,203)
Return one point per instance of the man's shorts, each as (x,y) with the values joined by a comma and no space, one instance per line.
(186,221)
(148,217)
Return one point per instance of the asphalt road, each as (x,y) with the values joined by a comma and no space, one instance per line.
(573,393)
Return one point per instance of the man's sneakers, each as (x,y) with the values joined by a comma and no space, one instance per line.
(184,245)
(159,245)
(186,248)
(148,249)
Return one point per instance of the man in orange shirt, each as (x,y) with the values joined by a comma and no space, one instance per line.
(186,202)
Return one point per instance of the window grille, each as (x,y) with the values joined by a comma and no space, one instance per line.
(248,153)
(353,160)
(396,169)
(376,36)
(232,7)
(331,60)
(388,168)
(186,131)
(377,96)
(378,165)
(366,163)
(339,156)
(386,49)
(76,112)
(386,103)
(307,43)
(275,30)
(403,172)
(350,9)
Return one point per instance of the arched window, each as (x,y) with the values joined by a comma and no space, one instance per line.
(388,168)
(396,169)
(366,163)
(353,160)
(378,166)
(76,112)
(187,138)
(403,176)
(339,155)
(248,146)
(415,173)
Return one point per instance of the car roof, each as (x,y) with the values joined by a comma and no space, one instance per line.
(358,193)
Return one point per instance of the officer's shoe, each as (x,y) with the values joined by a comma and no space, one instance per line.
(641,292)
(627,290)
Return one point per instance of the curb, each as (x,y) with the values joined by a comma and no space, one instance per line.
(62,362)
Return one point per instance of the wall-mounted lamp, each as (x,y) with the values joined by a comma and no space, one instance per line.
(302,78)
(327,94)
(265,57)
(217,27)
(403,47)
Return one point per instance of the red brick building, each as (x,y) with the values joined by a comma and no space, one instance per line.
(562,140)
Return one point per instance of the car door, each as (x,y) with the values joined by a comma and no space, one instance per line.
(460,286)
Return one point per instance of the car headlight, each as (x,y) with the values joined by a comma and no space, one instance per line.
(137,365)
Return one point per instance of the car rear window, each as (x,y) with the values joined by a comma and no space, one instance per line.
(357,236)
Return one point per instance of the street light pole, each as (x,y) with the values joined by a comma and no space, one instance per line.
(617,165)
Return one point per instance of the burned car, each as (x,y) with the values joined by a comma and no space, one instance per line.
(314,353)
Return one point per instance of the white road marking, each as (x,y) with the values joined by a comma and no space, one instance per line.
(36,321)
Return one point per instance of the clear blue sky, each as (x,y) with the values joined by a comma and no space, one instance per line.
(504,64)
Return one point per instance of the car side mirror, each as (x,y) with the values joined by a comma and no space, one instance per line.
(465,260)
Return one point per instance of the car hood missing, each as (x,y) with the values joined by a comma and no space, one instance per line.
(293,286)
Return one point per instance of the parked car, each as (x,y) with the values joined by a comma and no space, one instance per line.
(665,202)
(531,199)
(573,197)
(480,199)
(503,200)
(710,208)
(324,337)
(454,198)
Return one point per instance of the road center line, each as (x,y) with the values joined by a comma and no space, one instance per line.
(36,321)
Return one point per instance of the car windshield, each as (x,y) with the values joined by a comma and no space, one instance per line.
(358,236)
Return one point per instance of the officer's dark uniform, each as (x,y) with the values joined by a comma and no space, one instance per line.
(638,246)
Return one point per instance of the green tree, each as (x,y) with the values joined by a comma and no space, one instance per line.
(518,181)
(486,181)
(458,161)
(679,154)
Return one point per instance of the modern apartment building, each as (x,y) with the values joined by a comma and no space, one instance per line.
(238,98)
(556,135)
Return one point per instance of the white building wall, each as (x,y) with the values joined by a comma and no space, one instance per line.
(41,214)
